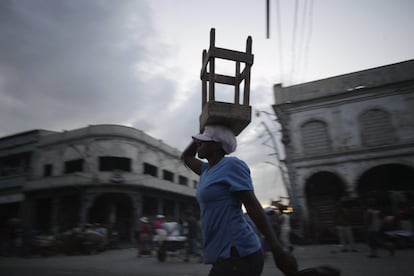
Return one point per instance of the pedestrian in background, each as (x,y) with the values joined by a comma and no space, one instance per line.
(405,216)
(230,244)
(272,218)
(190,231)
(284,222)
(144,237)
(373,226)
(158,223)
(343,221)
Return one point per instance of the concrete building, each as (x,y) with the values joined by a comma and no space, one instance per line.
(108,174)
(349,136)
(16,163)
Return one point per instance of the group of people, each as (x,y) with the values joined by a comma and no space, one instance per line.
(385,228)
(381,227)
(187,227)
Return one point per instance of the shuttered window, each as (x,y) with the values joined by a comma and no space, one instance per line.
(73,166)
(376,128)
(111,163)
(167,175)
(182,180)
(315,138)
(150,169)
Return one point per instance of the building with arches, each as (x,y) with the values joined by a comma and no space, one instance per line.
(348,136)
(107,174)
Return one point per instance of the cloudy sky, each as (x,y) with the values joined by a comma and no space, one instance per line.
(66,64)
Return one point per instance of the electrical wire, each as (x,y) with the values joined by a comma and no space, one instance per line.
(279,39)
(301,48)
(309,35)
(293,46)
(300,40)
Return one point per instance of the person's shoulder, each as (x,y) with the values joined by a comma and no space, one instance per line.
(234,163)
(233,160)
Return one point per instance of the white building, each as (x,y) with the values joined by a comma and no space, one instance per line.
(108,174)
(348,136)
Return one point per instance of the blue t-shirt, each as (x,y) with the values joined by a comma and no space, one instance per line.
(222,221)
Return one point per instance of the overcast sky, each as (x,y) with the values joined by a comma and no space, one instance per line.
(66,64)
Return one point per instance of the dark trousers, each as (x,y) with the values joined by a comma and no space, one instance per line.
(250,265)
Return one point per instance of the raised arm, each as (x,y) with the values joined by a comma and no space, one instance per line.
(283,260)
(189,158)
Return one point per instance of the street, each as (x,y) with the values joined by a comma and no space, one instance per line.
(125,262)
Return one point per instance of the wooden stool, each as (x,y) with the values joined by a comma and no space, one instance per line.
(236,115)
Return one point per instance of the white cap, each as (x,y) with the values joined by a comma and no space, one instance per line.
(144,219)
(220,134)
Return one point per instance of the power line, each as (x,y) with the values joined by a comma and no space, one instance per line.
(302,33)
(307,43)
(302,49)
(279,38)
(293,46)
(300,40)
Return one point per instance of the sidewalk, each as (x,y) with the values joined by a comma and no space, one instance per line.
(123,262)
(355,263)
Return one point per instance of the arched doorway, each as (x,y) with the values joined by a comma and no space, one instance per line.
(116,211)
(323,190)
(390,184)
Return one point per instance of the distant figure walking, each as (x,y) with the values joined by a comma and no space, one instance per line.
(159,221)
(191,229)
(373,226)
(144,237)
(344,228)
(284,221)
(405,217)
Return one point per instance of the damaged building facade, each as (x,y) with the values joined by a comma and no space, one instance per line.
(348,137)
(108,174)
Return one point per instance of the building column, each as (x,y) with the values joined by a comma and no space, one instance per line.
(136,200)
(176,209)
(54,215)
(112,214)
(87,199)
(28,212)
(160,206)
